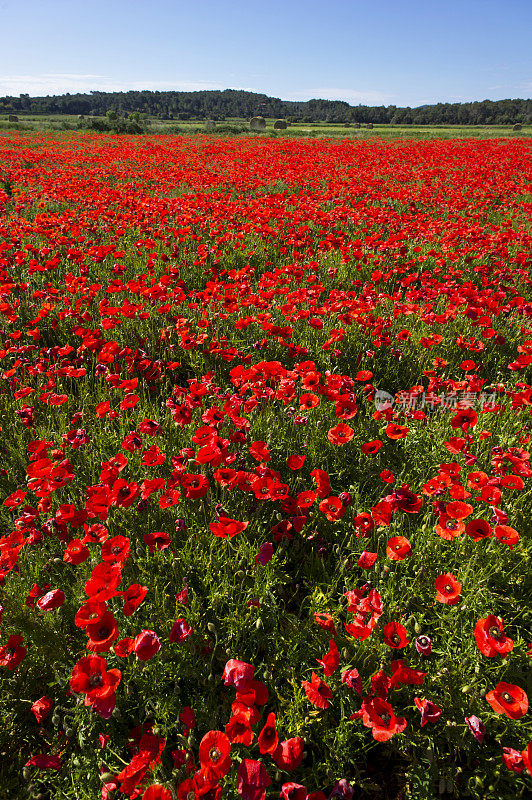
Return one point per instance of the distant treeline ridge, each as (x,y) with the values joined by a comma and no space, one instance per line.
(219,105)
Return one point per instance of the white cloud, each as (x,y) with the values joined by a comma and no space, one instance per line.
(61,82)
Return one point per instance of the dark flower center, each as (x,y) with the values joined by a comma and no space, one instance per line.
(95,680)
(507,697)
(215,755)
(495,632)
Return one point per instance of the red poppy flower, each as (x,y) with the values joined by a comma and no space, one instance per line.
(430,712)
(295,462)
(333,508)
(478,529)
(102,633)
(506,535)
(447,589)
(449,528)
(268,738)
(91,677)
(226,527)
(325,621)
(366,559)
(194,486)
(157,792)
(490,637)
(213,754)
(331,659)
(293,791)
(395,635)
(133,597)
(103,581)
(394,431)
(364,523)
(238,674)
(41,708)
(377,714)
(398,548)
(370,448)
(317,691)
(252,780)
(341,434)
(458,510)
(508,699)
(51,600)
(289,753)
(76,552)
(238,731)
(116,550)
(146,644)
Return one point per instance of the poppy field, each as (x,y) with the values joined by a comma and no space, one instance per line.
(265,480)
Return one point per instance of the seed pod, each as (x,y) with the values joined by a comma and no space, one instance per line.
(211,627)
(258,624)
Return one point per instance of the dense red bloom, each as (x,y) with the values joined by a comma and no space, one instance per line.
(447,589)
(490,637)
(53,599)
(102,633)
(226,527)
(157,792)
(378,715)
(268,738)
(370,448)
(252,780)
(91,677)
(395,635)
(317,691)
(508,699)
(289,753)
(238,730)
(44,762)
(506,535)
(293,791)
(238,674)
(295,462)
(325,621)
(394,431)
(331,659)
(333,508)
(341,434)
(398,548)
(12,653)
(103,581)
(146,644)
(478,529)
(41,708)
(366,559)
(116,550)
(430,712)
(181,630)
(213,754)
(133,597)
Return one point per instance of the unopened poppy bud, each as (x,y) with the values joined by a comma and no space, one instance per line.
(211,627)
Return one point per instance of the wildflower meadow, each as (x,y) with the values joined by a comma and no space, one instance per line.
(265,481)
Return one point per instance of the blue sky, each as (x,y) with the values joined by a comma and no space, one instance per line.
(400,53)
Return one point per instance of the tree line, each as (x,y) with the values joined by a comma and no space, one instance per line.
(234,103)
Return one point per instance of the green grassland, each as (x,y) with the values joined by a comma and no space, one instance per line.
(240,126)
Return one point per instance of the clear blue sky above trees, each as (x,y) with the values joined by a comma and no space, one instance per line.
(401,53)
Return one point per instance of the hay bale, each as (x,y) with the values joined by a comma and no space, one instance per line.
(517,126)
(210,124)
(369,125)
(280,125)
(257,123)
(357,125)
(13,118)
(81,116)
